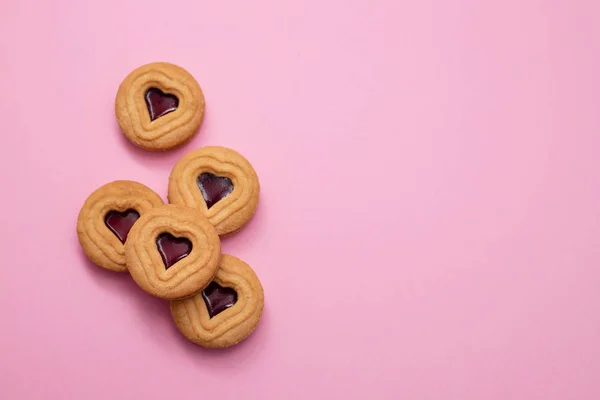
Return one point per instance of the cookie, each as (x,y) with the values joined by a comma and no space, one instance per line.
(159,106)
(172,252)
(220,183)
(226,311)
(106,218)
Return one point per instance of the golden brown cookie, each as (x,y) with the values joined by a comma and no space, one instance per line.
(226,311)
(172,252)
(220,183)
(159,106)
(106,218)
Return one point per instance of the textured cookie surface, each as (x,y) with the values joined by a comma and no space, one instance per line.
(233,322)
(106,217)
(172,252)
(219,182)
(159,106)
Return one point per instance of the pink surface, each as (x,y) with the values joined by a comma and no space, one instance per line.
(429,216)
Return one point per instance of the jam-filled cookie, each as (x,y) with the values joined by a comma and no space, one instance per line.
(220,183)
(159,106)
(107,216)
(172,252)
(226,311)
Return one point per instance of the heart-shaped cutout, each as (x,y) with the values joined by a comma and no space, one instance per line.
(218,298)
(160,103)
(120,223)
(214,188)
(172,249)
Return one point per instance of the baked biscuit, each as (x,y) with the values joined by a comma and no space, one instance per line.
(220,183)
(172,252)
(227,311)
(159,106)
(106,218)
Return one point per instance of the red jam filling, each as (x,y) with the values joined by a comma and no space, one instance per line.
(172,249)
(214,188)
(160,103)
(121,222)
(218,298)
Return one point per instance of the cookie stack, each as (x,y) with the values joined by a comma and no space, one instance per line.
(173,251)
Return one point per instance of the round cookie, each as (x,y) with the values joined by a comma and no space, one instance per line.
(106,218)
(159,106)
(227,311)
(220,183)
(172,252)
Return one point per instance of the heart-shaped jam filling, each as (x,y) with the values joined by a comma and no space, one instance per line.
(172,249)
(160,103)
(214,188)
(218,298)
(121,222)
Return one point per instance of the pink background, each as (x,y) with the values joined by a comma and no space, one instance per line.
(429,216)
